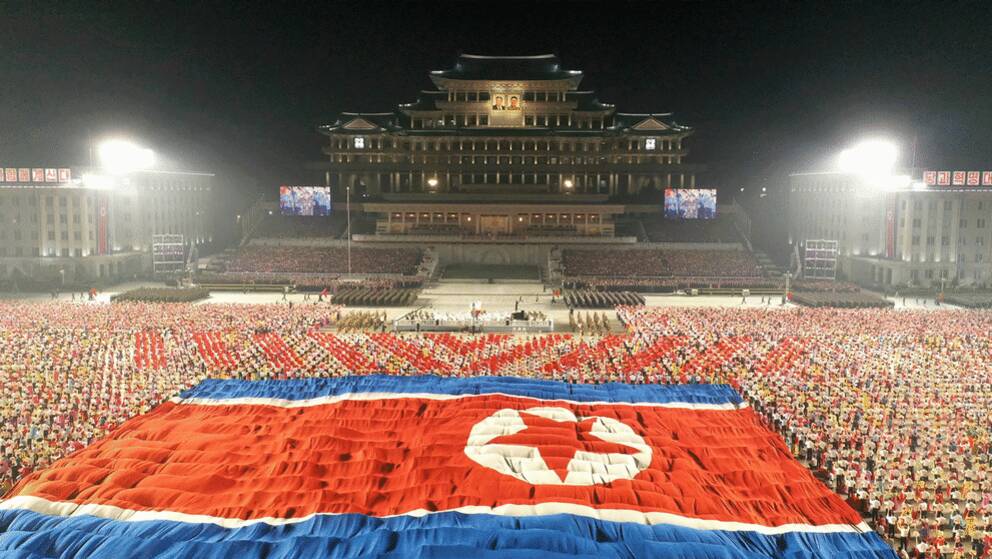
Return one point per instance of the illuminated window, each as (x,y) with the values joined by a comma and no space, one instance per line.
(649,143)
(359,142)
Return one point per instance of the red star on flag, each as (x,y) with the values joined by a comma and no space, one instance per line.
(558,441)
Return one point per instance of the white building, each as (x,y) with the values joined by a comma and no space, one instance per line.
(89,227)
(896,231)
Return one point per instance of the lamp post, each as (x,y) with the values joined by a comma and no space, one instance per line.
(348,211)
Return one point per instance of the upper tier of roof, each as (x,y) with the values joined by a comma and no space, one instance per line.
(523,68)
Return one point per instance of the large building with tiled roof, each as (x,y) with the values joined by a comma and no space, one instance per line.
(502,146)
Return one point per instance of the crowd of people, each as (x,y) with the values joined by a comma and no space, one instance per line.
(591,299)
(670,284)
(664,263)
(70,372)
(712,263)
(891,409)
(306,282)
(290,259)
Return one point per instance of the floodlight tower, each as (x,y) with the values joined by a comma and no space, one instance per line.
(121,157)
(870,158)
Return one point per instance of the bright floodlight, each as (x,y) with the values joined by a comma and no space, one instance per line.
(871,157)
(119,156)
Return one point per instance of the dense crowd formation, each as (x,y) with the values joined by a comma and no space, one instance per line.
(70,372)
(614,263)
(290,259)
(889,408)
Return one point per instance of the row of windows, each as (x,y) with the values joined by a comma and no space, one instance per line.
(17,235)
(915,274)
(551,120)
(19,251)
(509,160)
(932,205)
(577,181)
(32,200)
(619,145)
(962,224)
(946,241)
(438,217)
(545,96)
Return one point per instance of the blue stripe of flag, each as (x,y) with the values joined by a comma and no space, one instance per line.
(28,535)
(305,389)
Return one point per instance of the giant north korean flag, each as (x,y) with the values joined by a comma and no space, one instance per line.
(385,466)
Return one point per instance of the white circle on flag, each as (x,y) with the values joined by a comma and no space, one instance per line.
(526,463)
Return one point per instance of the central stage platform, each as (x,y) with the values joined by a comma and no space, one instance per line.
(428,320)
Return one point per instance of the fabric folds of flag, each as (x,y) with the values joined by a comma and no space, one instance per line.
(383,466)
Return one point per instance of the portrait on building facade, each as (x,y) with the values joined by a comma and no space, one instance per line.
(506,101)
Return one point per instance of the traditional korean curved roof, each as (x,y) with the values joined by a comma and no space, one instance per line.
(480,67)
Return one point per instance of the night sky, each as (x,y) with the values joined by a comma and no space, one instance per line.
(238,88)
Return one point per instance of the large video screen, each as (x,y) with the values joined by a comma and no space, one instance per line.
(305,200)
(690,203)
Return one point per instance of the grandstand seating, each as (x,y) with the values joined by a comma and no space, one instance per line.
(661,269)
(323,260)
(615,263)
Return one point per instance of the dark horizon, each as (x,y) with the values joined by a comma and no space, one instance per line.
(239,91)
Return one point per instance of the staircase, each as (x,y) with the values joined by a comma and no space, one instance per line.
(770,268)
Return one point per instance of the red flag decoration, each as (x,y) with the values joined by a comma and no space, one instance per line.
(944,178)
(102,224)
(437,467)
(930,178)
(890,226)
